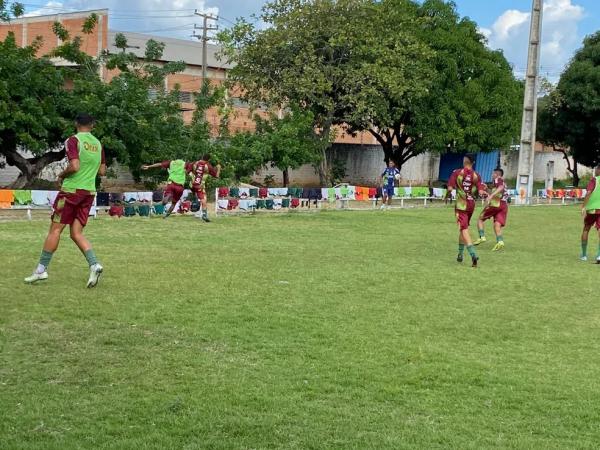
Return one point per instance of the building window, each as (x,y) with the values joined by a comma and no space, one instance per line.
(185,97)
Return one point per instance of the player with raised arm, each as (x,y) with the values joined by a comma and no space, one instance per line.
(198,171)
(75,199)
(496,207)
(467,183)
(591,213)
(390,175)
(176,182)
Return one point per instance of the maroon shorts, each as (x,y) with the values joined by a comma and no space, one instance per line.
(71,206)
(199,191)
(463,218)
(173,192)
(592,219)
(499,214)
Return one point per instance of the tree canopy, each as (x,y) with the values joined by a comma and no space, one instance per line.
(577,113)
(415,75)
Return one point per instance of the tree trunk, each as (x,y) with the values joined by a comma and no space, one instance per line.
(286,177)
(323,167)
(30,168)
(575,173)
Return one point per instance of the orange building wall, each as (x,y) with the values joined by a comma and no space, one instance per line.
(17,29)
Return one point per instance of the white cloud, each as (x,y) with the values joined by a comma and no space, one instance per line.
(50,8)
(560,36)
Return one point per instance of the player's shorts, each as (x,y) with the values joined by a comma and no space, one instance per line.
(499,214)
(174,192)
(592,219)
(199,191)
(71,206)
(388,191)
(463,217)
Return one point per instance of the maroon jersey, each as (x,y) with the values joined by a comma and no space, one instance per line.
(198,170)
(502,196)
(466,182)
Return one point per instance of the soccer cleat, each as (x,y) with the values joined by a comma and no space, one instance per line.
(35,277)
(474,260)
(460,258)
(206,219)
(382,207)
(583,258)
(481,240)
(499,246)
(95,273)
(598,260)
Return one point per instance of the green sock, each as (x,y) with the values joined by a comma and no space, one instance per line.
(205,213)
(471,250)
(584,248)
(481,233)
(461,249)
(499,238)
(90,256)
(45,258)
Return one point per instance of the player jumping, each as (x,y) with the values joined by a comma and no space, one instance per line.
(466,182)
(496,207)
(175,187)
(198,170)
(75,199)
(388,178)
(591,213)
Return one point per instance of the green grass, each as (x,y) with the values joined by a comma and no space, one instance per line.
(318,331)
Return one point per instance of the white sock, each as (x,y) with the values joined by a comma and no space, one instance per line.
(40,268)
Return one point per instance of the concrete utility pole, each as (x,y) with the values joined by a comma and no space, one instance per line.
(204,38)
(528,130)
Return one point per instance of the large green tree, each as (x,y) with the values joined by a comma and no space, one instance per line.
(471,101)
(577,115)
(416,76)
(550,131)
(38,102)
(301,59)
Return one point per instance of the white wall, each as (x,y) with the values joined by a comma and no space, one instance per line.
(510,163)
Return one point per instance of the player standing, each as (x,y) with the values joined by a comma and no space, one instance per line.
(198,170)
(466,182)
(388,178)
(75,199)
(496,207)
(591,213)
(176,182)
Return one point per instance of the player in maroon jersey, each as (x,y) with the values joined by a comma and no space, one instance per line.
(496,207)
(198,171)
(467,184)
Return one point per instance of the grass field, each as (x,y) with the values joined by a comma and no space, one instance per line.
(318,331)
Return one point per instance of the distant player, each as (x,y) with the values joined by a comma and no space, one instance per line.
(591,213)
(176,182)
(75,199)
(496,207)
(467,183)
(198,171)
(388,181)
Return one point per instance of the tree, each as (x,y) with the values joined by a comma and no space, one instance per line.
(472,101)
(289,141)
(578,113)
(37,106)
(550,130)
(417,77)
(301,59)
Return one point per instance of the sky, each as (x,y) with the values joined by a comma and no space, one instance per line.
(504,22)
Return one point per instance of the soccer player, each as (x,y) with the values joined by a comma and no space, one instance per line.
(198,170)
(496,207)
(176,182)
(466,182)
(388,179)
(591,213)
(75,199)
